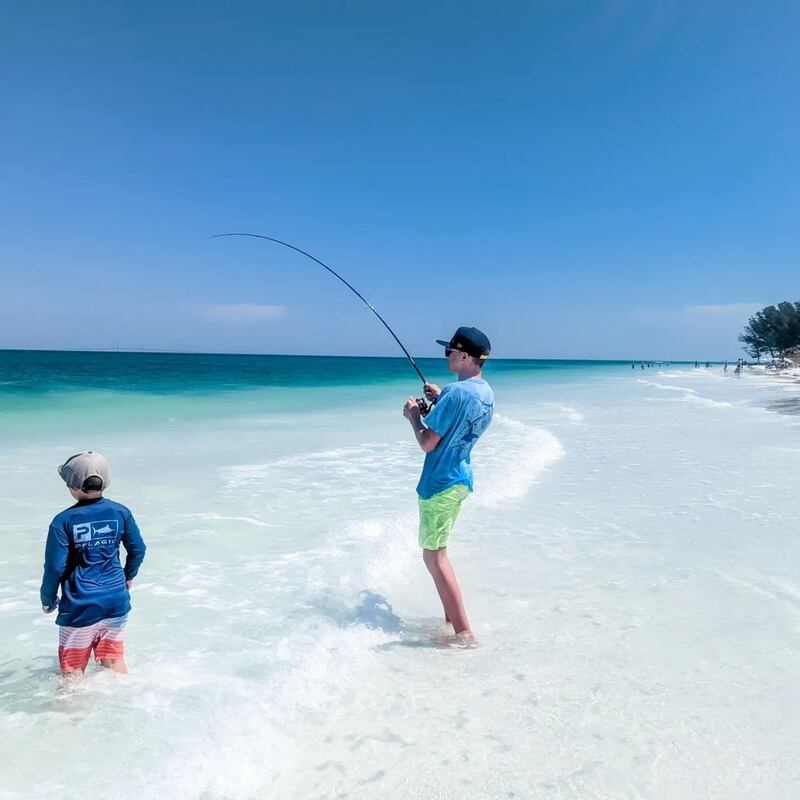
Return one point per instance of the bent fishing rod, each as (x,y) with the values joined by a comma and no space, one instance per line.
(424,408)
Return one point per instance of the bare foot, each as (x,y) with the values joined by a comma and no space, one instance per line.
(464,641)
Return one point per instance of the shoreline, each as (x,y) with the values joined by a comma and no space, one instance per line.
(793,372)
(788,377)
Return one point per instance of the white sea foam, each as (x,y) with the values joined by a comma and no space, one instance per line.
(664,387)
(222,518)
(706,401)
(570,412)
(515,455)
(688,395)
(688,374)
(768,586)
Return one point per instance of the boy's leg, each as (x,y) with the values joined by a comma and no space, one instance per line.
(437,515)
(114,664)
(447,620)
(444,577)
(109,648)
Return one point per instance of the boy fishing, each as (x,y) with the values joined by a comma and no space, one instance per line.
(461,413)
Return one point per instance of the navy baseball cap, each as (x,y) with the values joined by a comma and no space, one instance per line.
(470,341)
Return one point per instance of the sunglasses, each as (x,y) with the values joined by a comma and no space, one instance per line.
(447,352)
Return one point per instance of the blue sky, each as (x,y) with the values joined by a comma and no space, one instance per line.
(599,180)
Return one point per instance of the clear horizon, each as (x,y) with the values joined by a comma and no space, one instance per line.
(135,351)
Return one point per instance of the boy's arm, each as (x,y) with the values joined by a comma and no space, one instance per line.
(134,548)
(426,438)
(439,421)
(56,552)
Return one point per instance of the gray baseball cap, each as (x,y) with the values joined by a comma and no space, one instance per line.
(76,469)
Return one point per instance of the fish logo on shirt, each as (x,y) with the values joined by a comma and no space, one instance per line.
(476,426)
(85,532)
(105,529)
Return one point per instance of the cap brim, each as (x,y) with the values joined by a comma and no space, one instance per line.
(443,344)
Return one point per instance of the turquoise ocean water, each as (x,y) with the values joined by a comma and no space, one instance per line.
(629,561)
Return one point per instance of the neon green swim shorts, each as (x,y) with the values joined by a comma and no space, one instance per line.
(437,515)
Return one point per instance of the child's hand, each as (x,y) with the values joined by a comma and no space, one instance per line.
(410,409)
(432,391)
(48,609)
(128,585)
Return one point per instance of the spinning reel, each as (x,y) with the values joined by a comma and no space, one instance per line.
(424,406)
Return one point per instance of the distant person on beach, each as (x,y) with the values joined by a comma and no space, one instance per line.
(82,558)
(725,368)
(462,412)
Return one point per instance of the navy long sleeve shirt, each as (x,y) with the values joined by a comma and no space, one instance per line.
(82,556)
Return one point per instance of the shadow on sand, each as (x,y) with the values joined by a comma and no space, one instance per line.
(375,612)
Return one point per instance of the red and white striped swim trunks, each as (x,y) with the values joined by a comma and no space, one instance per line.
(106,638)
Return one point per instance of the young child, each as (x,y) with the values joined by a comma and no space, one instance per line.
(82,556)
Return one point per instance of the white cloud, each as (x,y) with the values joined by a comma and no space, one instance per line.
(243,312)
(697,315)
(737,310)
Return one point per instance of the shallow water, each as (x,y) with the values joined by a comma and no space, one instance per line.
(629,561)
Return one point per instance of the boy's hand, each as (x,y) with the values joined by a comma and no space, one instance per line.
(410,409)
(48,609)
(128,585)
(432,391)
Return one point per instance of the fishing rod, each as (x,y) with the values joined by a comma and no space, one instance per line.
(423,405)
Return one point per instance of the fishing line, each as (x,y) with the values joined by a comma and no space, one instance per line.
(337,275)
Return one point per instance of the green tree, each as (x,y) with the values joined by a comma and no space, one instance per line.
(752,343)
(755,336)
(773,330)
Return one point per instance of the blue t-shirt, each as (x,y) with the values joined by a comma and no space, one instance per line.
(461,414)
(82,556)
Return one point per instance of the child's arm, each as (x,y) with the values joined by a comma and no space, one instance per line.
(134,548)
(55,562)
